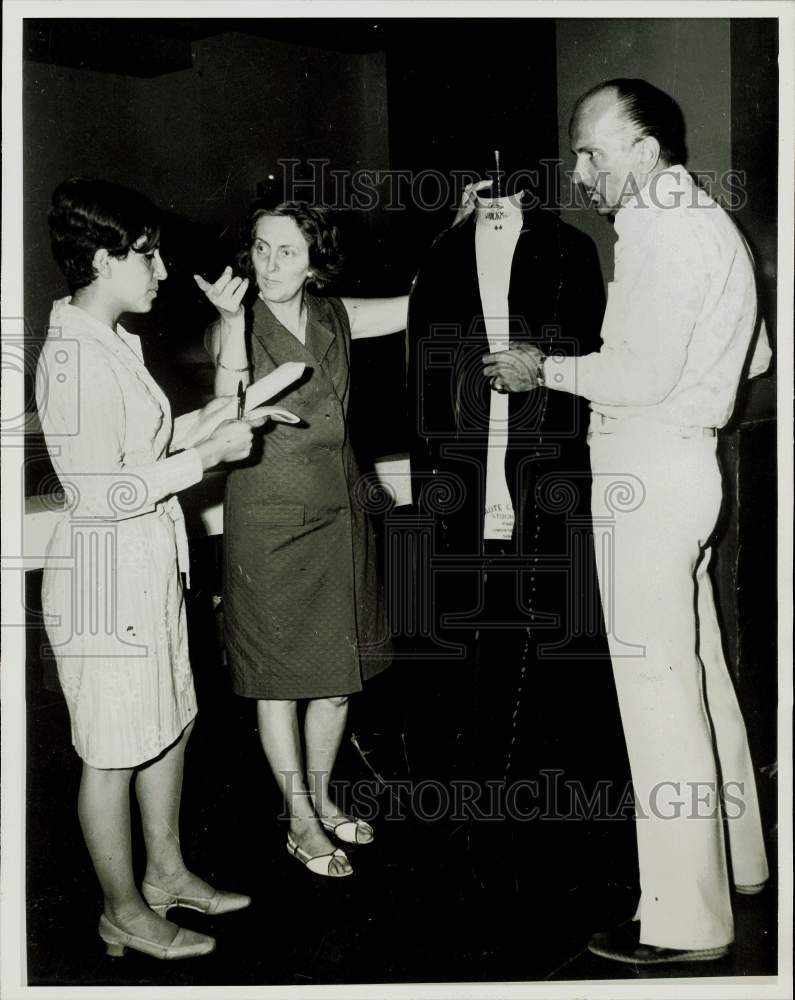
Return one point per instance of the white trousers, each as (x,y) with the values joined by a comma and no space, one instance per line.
(656,498)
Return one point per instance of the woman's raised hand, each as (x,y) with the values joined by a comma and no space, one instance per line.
(226,294)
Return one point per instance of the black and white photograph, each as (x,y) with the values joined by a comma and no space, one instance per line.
(396,499)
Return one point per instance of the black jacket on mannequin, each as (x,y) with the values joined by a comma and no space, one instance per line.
(536,628)
(556,301)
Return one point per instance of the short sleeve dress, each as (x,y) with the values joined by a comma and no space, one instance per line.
(303,606)
(112,591)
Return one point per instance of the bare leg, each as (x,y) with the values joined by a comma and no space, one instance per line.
(158,787)
(103,807)
(323,730)
(281,741)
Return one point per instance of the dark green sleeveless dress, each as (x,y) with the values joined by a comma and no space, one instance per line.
(303,605)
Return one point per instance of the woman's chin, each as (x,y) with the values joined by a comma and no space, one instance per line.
(277,292)
(139,309)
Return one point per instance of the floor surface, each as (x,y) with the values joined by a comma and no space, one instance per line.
(419,908)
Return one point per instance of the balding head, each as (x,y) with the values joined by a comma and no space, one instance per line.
(615,156)
(604,109)
(641,110)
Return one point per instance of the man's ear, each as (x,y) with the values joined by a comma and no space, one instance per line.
(649,151)
(101,263)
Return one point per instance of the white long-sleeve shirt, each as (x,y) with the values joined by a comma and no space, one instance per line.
(681,313)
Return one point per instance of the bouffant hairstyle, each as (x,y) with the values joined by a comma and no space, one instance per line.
(89,215)
(325,256)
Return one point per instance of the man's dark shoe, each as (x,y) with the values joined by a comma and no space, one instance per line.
(622,944)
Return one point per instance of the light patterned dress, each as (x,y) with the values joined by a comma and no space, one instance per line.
(112,593)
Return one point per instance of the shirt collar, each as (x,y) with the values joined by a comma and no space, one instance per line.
(63,312)
(667,189)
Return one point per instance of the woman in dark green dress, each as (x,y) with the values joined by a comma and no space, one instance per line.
(303,604)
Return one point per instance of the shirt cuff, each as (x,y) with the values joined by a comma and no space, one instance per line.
(560,373)
(186,468)
(184,429)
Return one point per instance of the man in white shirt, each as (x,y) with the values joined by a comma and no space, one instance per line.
(678,337)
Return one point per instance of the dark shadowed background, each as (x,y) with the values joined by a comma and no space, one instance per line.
(204,115)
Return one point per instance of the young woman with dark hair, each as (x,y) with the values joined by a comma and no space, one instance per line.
(116,618)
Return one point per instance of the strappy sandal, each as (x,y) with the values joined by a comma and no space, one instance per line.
(320,864)
(348,830)
(161,901)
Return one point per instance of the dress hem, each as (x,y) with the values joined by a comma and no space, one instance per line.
(138,763)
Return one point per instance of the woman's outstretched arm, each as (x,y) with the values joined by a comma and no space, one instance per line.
(376,317)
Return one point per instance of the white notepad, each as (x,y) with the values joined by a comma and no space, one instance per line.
(266,388)
(273,383)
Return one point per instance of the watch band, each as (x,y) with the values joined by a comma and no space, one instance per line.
(540,373)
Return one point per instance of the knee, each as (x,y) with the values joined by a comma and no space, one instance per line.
(336,701)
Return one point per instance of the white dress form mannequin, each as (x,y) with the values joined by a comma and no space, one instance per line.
(498,223)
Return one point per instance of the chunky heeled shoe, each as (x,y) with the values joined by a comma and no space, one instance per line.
(186,944)
(320,864)
(349,831)
(220,902)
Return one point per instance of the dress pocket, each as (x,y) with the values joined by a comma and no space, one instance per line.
(274,513)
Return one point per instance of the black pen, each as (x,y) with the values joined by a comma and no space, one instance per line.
(241,400)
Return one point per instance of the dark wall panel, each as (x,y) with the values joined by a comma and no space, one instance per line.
(198,141)
(457,91)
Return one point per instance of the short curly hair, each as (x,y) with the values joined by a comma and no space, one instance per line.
(325,255)
(89,215)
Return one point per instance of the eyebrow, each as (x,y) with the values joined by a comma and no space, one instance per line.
(279,246)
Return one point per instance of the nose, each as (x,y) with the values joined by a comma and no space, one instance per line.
(160,268)
(271,264)
(582,170)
